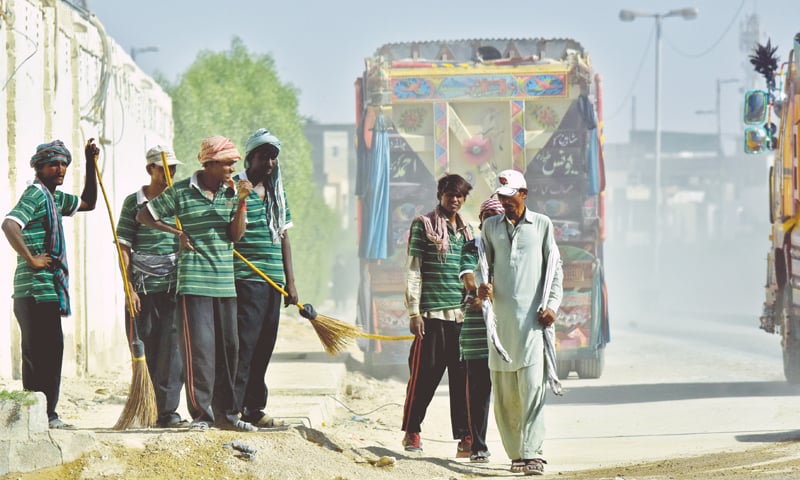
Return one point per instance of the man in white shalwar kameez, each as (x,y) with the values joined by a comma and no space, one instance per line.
(518,245)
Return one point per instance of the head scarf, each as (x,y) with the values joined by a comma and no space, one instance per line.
(262,136)
(54,151)
(276,196)
(492,206)
(217,148)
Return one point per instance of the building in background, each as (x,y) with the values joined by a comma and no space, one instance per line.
(333,153)
(707,196)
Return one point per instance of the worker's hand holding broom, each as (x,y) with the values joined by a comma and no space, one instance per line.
(134,303)
(291,297)
(185,240)
(91,150)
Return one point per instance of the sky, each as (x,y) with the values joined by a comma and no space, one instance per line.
(319,46)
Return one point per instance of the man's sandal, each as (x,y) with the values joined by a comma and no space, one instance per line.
(517,465)
(58,424)
(237,425)
(198,426)
(268,422)
(534,466)
(480,457)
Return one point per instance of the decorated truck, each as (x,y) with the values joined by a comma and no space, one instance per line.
(772,117)
(475,108)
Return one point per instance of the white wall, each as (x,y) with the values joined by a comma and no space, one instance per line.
(73,82)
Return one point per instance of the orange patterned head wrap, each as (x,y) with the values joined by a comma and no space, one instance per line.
(217,148)
(492,206)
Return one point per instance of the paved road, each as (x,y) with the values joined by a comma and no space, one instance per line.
(677,386)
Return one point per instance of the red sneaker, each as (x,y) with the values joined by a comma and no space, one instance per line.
(412,443)
(464,447)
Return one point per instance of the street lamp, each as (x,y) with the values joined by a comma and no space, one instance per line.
(717,110)
(689,13)
(135,50)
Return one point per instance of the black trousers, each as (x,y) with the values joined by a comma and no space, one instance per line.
(158,331)
(258,314)
(438,350)
(42,348)
(210,347)
(479,390)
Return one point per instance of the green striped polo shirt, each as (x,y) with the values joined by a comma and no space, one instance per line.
(31,215)
(472,340)
(256,244)
(143,239)
(441,287)
(206,271)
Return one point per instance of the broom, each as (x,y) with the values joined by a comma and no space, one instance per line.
(140,409)
(334,334)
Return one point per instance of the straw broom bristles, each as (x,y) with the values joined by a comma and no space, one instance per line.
(140,409)
(335,335)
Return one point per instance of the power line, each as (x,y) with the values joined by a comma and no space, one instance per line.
(716,42)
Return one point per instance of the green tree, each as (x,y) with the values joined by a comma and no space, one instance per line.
(233,93)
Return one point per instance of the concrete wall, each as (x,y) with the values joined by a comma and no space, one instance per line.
(63,77)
